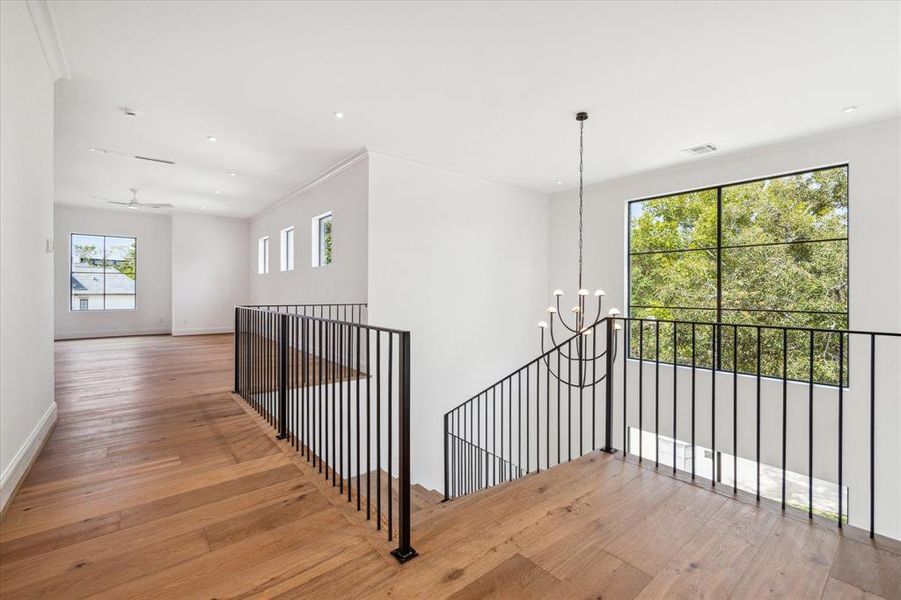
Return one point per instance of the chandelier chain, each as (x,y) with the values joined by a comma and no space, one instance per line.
(581,153)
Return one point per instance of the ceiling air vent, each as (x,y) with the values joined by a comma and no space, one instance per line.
(699,150)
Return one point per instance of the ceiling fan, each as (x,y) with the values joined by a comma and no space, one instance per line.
(134,204)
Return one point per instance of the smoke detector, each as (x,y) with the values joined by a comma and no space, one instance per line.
(702,149)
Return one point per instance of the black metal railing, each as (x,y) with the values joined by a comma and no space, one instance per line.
(758,422)
(353,312)
(339,391)
(527,421)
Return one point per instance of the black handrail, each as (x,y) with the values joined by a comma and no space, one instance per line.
(521,417)
(314,379)
(354,312)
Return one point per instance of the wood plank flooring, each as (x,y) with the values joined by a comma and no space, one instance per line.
(157,483)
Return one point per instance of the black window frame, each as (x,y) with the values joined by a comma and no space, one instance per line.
(72,271)
(720,324)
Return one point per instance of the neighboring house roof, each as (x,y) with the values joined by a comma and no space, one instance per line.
(89,281)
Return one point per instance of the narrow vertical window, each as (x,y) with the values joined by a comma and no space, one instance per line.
(322,240)
(287,249)
(263,255)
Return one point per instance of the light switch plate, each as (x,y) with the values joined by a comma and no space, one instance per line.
(49,245)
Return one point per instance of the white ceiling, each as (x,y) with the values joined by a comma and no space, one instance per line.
(482,88)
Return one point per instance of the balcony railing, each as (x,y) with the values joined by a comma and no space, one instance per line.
(777,400)
(339,391)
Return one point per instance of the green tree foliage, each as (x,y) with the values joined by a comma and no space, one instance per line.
(127,266)
(783,261)
(85,252)
(327,240)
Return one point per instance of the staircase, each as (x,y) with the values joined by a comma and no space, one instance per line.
(777,398)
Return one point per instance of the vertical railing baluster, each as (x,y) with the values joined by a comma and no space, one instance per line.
(714,332)
(693,373)
(390,434)
(735,409)
(784,406)
(757,422)
(358,422)
(369,430)
(810,434)
(872,435)
(237,387)
(610,360)
(841,417)
(627,350)
(378,427)
(569,401)
(675,392)
(656,393)
(640,390)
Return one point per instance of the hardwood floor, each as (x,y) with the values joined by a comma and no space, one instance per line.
(156,483)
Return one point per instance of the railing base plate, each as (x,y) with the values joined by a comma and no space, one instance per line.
(609,450)
(281,437)
(404,556)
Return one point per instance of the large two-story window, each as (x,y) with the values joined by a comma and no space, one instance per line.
(103,272)
(772,251)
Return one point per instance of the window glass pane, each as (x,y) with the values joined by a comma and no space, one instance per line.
(289,249)
(703,347)
(674,279)
(807,206)
(120,273)
(325,240)
(674,222)
(825,353)
(87,252)
(809,276)
(263,255)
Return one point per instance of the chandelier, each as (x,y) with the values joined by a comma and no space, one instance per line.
(585,345)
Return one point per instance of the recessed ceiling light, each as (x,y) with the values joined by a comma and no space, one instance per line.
(559,182)
(211,138)
(232,173)
(203,208)
(338,114)
(217,192)
(849,109)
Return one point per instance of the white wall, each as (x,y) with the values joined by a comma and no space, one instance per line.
(462,263)
(154,272)
(873,155)
(344,280)
(209,254)
(27,408)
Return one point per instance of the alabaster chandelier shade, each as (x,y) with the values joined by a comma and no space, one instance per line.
(583,349)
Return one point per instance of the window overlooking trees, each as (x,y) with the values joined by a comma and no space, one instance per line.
(767,252)
(322,240)
(103,271)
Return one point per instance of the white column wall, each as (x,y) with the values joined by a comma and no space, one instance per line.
(461,263)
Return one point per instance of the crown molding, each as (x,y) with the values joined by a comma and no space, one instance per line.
(311,184)
(48,36)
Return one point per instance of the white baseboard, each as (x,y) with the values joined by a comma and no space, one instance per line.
(18,467)
(78,335)
(203,330)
